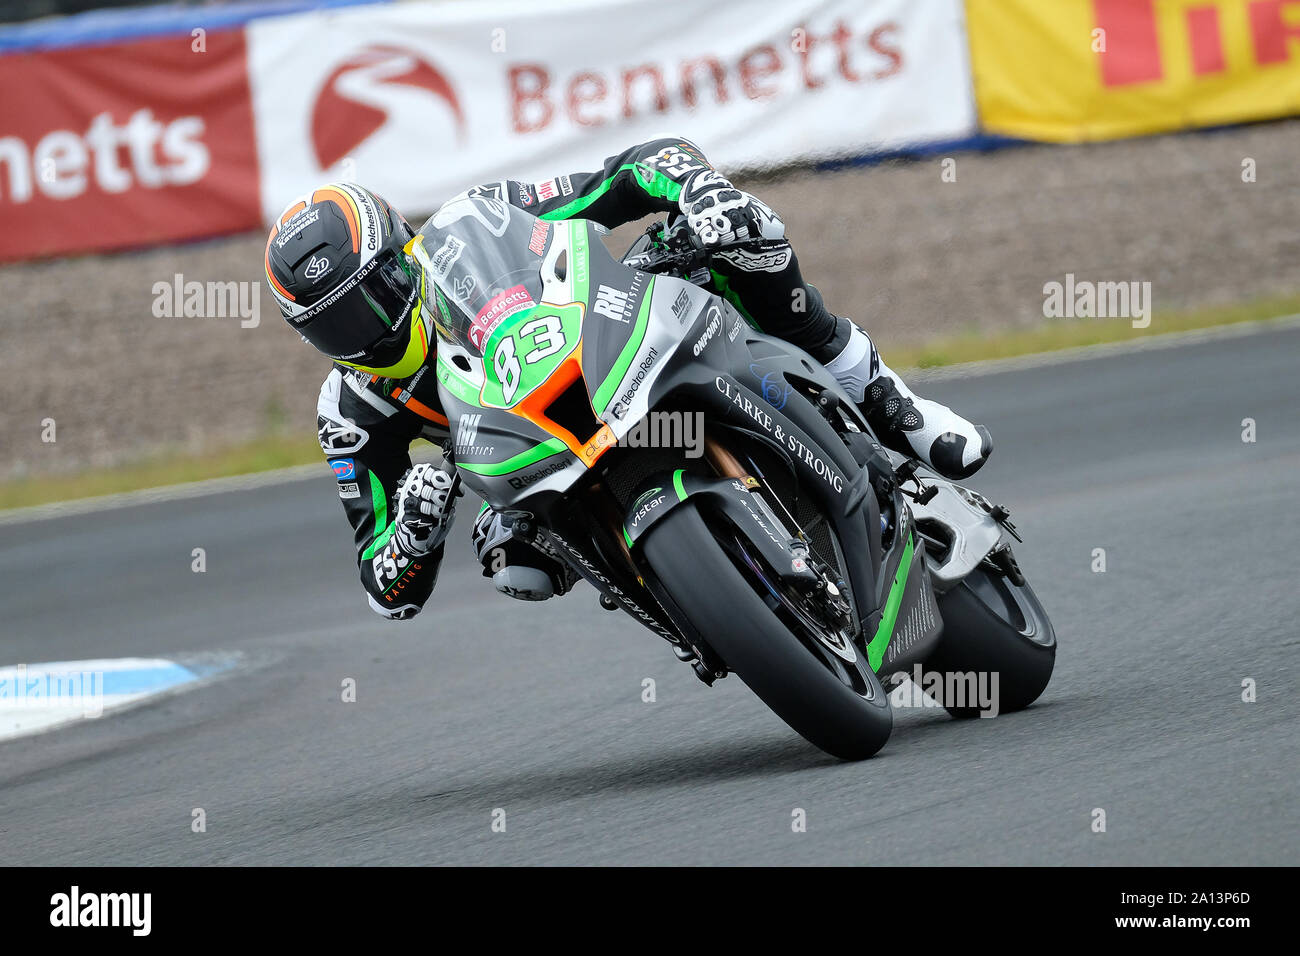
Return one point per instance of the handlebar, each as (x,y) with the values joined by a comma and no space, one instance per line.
(675,248)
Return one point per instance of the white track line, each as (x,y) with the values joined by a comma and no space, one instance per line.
(192,489)
(1083,353)
(35,698)
(214,486)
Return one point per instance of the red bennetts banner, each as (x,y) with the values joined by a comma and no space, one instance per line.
(126,144)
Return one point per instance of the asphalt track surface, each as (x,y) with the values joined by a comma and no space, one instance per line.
(485,703)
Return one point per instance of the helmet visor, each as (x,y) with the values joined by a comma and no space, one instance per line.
(368,318)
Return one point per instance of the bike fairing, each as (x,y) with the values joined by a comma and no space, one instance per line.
(678,360)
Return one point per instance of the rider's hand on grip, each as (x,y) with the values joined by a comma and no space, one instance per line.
(720,214)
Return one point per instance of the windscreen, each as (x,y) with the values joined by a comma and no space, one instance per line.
(483,255)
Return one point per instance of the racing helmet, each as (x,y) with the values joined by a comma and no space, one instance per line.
(336,266)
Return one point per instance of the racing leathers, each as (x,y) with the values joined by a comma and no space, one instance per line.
(367,424)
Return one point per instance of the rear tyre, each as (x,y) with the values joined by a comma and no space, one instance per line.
(788,676)
(993,625)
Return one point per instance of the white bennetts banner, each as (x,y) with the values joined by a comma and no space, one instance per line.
(421,101)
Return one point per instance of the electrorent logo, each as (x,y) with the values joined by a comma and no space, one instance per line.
(144,151)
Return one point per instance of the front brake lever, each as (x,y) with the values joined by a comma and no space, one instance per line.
(1003,517)
(907,472)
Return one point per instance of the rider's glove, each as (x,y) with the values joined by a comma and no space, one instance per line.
(717,212)
(426,503)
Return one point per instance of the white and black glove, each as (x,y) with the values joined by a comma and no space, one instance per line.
(717,212)
(426,504)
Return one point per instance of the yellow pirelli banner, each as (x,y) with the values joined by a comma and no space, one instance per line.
(1076,70)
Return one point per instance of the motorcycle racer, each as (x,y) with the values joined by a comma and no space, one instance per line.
(336,264)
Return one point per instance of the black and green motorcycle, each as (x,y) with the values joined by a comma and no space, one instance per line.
(713,482)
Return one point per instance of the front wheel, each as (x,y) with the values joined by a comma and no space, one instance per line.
(835,703)
(994,625)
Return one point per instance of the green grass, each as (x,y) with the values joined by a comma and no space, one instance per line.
(281,451)
(167,468)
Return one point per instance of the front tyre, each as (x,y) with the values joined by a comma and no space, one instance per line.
(787,674)
(995,625)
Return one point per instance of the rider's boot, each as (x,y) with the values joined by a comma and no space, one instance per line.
(903,420)
(517,568)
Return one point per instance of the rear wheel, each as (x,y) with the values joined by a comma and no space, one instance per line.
(994,624)
(798,665)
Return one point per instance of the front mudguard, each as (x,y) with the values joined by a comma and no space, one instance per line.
(731,497)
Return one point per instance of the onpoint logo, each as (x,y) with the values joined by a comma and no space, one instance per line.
(373,90)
